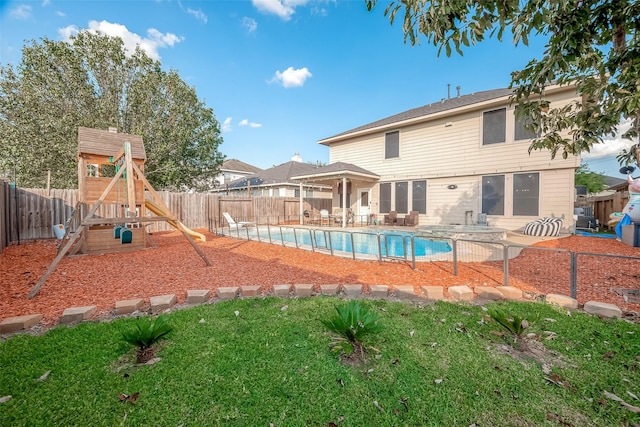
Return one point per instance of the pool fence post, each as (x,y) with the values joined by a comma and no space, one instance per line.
(505,259)
(413,252)
(312,239)
(353,247)
(329,241)
(574,275)
(455,257)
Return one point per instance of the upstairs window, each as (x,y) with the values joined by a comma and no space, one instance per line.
(494,126)
(521,130)
(392,145)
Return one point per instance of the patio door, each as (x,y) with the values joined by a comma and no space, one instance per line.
(364,205)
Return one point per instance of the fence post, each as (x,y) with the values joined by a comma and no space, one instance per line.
(574,275)
(353,247)
(455,256)
(505,260)
(413,252)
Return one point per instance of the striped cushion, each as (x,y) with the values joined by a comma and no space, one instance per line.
(543,227)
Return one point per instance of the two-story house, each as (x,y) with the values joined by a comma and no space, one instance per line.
(451,161)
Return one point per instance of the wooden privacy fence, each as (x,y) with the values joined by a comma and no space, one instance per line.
(603,206)
(30,214)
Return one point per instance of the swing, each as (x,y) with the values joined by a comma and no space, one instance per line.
(120,231)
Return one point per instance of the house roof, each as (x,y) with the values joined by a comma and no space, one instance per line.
(445,107)
(277,175)
(108,143)
(235,165)
(428,110)
(611,181)
(339,170)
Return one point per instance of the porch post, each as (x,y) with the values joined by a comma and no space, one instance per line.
(301,213)
(344,201)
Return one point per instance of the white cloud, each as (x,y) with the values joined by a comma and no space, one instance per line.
(66,32)
(226,125)
(46,3)
(199,15)
(60,14)
(250,24)
(611,146)
(291,77)
(150,44)
(282,8)
(21,12)
(246,122)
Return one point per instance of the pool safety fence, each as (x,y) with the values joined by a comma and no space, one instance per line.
(537,270)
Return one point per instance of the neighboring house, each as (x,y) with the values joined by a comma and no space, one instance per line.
(277,182)
(451,161)
(233,169)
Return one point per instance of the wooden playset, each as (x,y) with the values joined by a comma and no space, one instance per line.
(104,152)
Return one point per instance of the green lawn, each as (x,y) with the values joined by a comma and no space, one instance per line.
(443,365)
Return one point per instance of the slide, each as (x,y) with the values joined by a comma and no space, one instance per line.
(159,210)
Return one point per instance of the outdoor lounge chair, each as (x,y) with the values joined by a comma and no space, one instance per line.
(411,220)
(233,225)
(324,216)
(391,218)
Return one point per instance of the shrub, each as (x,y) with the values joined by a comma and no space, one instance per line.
(147,332)
(515,324)
(352,322)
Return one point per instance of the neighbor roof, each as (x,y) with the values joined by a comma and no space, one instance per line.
(235,165)
(276,175)
(108,143)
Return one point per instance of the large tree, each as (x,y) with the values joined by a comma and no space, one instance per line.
(593,181)
(593,44)
(93,81)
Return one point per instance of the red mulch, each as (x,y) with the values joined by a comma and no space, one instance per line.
(174,267)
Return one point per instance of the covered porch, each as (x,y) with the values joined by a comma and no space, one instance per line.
(346,180)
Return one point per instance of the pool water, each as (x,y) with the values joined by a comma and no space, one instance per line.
(388,243)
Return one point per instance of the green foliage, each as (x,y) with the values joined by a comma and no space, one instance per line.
(592,45)
(513,323)
(147,331)
(92,81)
(353,321)
(279,372)
(594,182)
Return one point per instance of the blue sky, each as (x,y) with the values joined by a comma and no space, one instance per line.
(282,74)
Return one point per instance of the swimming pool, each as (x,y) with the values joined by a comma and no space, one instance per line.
(382,243)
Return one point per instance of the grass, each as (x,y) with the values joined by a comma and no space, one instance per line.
(437,365)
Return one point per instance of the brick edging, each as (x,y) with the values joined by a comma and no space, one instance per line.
(162,303)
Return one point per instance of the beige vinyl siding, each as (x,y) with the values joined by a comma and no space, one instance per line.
(448,206)
(450,146)
(449,150)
